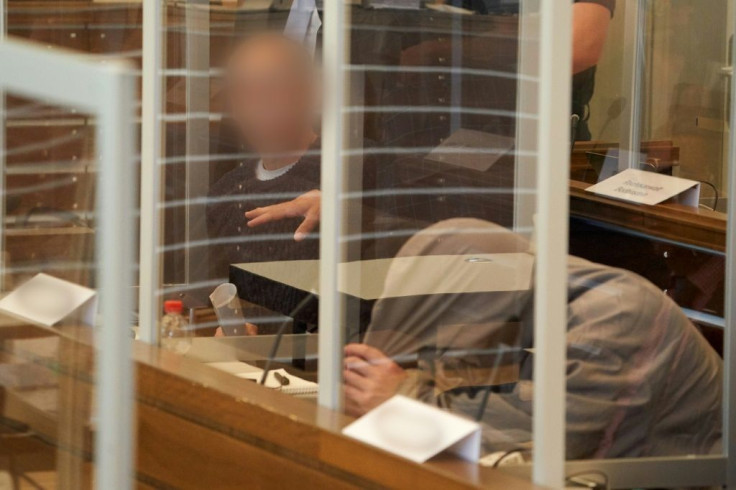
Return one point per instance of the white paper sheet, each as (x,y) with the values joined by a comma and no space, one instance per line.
(647,188)
(46,300)
(416,431)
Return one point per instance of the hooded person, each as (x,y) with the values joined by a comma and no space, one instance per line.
(641,380)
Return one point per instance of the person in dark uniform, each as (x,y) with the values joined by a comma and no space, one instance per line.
(591,20)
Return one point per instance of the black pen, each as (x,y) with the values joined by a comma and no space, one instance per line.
(283,380)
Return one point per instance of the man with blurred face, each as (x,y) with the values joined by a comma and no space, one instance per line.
(272,100)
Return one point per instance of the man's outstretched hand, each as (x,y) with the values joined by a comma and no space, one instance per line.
(306,206)
(370,377)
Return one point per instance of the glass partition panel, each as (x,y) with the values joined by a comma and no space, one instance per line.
(51,226)
(686,86)
(48,228)
(431,125)
(437,151)
(50,324)
(440,163)
(646,287)
(50,148)
(50,180)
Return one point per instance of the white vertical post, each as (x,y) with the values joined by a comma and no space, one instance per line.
(331,319)
(3,152)
(729,343)
(197,133)
(525,172)
(115,383)
(149,277)
(633,73)
(553,170)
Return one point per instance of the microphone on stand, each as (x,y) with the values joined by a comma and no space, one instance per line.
(279,335)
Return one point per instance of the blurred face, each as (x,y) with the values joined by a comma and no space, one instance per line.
(272,93)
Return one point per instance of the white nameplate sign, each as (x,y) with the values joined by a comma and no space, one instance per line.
(648,188)
(416,431)
(46,300)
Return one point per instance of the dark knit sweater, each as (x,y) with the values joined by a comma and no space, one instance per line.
(238,191)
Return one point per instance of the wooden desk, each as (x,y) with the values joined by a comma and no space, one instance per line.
(201,428)
(292,287)
(673,222)
(678,248)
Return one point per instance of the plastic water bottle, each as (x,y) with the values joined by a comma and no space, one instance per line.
(174,329)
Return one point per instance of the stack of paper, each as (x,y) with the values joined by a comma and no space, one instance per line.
(296,386)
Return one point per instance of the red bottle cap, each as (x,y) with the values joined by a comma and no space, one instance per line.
(173,306)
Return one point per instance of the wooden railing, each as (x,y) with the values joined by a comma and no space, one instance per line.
(199,427)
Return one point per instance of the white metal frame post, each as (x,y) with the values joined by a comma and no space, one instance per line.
(729,354)
(3,150)
(197,176)
(633,76)
(550,298)
(331,318)
(107,92)
(525,171)
(115,383)
(151,178)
